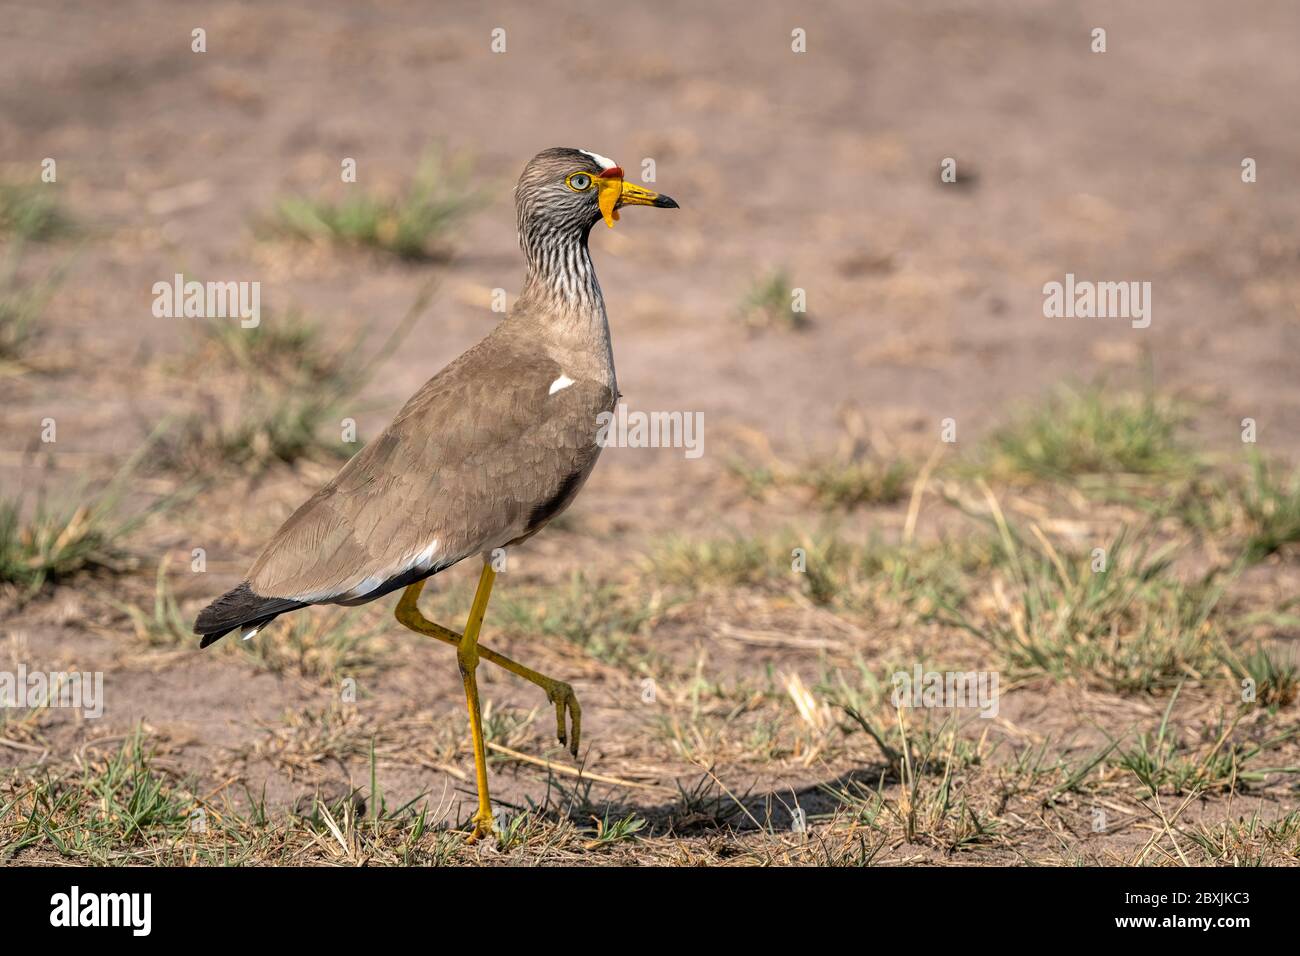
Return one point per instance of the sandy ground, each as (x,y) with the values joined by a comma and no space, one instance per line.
(925,302)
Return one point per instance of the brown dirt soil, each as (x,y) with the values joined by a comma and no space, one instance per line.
(925,301)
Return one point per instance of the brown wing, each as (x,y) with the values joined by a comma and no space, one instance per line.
(478,458)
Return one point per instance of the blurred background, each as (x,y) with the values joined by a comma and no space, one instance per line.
(726,695)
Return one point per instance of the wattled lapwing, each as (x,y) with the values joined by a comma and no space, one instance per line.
(482,457)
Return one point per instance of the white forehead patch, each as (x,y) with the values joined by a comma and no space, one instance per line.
(603,161)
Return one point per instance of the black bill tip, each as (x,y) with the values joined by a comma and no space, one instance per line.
(665,202)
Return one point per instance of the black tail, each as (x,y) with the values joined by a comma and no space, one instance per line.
(239,608)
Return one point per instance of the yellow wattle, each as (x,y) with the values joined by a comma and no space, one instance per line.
(610,192)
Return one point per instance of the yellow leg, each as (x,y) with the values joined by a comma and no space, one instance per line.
(467,655)
(557,692)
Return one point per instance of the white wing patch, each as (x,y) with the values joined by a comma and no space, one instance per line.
(563,381)
(604,161)
(422,560)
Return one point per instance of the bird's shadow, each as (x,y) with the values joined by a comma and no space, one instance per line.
(704,804)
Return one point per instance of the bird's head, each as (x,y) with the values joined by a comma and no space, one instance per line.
(573,188)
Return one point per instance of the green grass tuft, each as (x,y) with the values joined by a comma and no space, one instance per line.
(852,484)
(116,806)
(292,393)
(768,305)
(1272,509)
(163,623)
(615,830)
(602,619)
(1259,513)
(717,562)
(1131,626)
(832,482)
(1163,763)
(22,304)
(415,225)
(321,646)
(57,541)
(855,577)
(1252,841)
(30,211)
(1093,431)
(1276,681)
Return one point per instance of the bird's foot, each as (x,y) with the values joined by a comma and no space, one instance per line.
(483,828)
(566,704)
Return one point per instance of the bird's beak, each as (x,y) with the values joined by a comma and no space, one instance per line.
(614,192)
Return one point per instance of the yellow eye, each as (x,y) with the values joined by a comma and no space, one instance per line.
(579,182)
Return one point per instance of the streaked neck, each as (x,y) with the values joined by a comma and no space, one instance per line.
(562,292)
